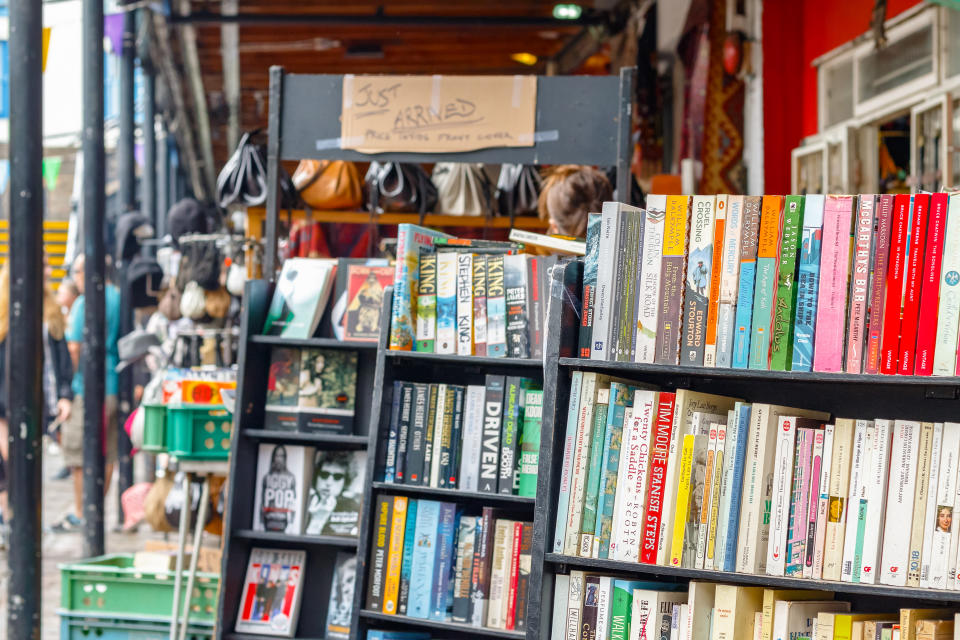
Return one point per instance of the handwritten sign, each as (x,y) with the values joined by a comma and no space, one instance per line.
(437,113)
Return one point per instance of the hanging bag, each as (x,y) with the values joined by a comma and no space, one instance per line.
(463,189)
(329,185)
(400,187)
(243,179)
(518,189)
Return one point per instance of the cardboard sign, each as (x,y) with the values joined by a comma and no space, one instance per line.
(437,113)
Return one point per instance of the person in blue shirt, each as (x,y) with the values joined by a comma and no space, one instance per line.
(72,430)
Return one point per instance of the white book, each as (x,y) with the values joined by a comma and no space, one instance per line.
(574,605)
(782,490)
(604,600)
(606,268)
(719,217)
(434,478)
(944,497)
(813,504)
(843,432)
(876,492)
(930,521)
(595,547)
(279,567)
(953,568)
(626,532)
(948,314)
(684,621)
(648,310)
(675,623)
(472,436)
(921,489)
(712,438)
(719,466)
(823,503)
(464,304)
(795,618)
(566,470)
(737,607)
(283,480)
(643,614)
(561,591)
(758,626)
(858,466)
(899,517)
(446,289)
(729,281)
(581,455)
(700,601)
(734,433)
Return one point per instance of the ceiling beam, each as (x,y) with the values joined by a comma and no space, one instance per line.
(229,50)
(188,47)
(372,20)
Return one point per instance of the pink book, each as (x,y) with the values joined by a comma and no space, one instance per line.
(912,284)
(832,299)
(878,283)
(859,281)
(813,501)
(799,520)
(930,291)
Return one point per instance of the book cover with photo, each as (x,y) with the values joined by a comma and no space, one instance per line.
(270,604)
(335,493)
(300,297)
(283,379)
(342,585)
(327,390)
(365,287)
(282,473)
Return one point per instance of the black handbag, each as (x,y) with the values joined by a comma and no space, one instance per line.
(399,187)
(518,190)
(243,179)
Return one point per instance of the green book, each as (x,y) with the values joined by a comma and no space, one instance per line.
(426,327)
(621,397)
(592,488)
(530,442)
(781,350)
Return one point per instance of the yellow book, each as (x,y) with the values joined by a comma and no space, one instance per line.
(391,586)
(770,596)
(683,500)
(934,629)
(675,225)
(735,613)
(910,617)
(839,626)
(771,221)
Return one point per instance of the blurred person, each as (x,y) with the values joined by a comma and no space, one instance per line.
(569,193)
(67,294)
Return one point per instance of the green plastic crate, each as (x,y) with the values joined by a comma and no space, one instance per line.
(154,427)
(85,627)
(199,431)
(109,586)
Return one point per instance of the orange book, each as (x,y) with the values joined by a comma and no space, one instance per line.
(719,228)
(391,587)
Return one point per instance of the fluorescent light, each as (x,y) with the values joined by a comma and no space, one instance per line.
(567,11)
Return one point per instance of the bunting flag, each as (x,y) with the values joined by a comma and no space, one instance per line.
(51,171)
(4,175)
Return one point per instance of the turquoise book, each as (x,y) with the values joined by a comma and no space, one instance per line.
(407,558)
(621,397)
(731,524)
(765,282)
(781,346)
(441,598)
(748,269)
(496,308)
(808,283)
(589,522)
(424,558)
(446,303)
(406,283)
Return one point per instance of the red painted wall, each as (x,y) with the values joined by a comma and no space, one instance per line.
(795,32)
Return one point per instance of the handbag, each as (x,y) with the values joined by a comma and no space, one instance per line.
(518,189)
(400,187)
(243,179)
(329,185)
(463,189)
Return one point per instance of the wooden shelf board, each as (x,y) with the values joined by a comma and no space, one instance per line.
(635,568)
(286,538)
(346,441)
(328,343)
(453,494)
(476,361)
(441,626)
(255,215)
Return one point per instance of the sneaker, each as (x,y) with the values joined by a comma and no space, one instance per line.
(63,474)
(67,524)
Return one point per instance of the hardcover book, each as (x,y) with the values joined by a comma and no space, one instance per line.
(781,347)
(427,303)
(913,281)
(673,269)
(283,380)
(300,297)
(716,268)
(878,282)
(446,303)
(808,283)
(480,304)
(749,244)
(335,493)
(496,308)
(698,281)
(282,471)
(365,287)
(406,278)
(765,285)
(270,604)
(326,399)
(859,284)
(832,299)
(590,264)
(648,312)
(340,604)
(729,282)
(930,291)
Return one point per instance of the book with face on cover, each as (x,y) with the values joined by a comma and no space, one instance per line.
(340,606)
(300,297)
(282,472)
(365,287)
(327,390)
(270,604)
(283,388)
(335,493)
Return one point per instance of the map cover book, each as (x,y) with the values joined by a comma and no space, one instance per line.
(272,589)
(781,347)
(335,493)
(427,303)
(589,284)
(365,287)
(283,381)
(327,390)
(278,504)
(698,281)
(406,278)
(673,265)
(300,297)
(765,286)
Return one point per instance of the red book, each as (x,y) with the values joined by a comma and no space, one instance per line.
(511,619)
(878,282)
(893,297)
(930,292)
(913,283)
(658,475)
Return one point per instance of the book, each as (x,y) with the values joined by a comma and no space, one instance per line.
(530,442)
(690,528)
(900,495)
(749,245)
(698,280)
(896,270)
(935,629)
(592,383)
(588,298)
(948,313)
(626,273)
(804,487)
(383,510)
(446,303)
(700,600)
(409,540)
(729,282)
(731,489)
(708,485)
(794,619)
(838,507)
(859,284)
(464,280)
(924,455)
(482,564)
(832,297)
(808,283)
(591,601)
(404,418)
(736,607)
(440,593)
(608,527)
(426,335)
(496,307)
(574,605)
(398,522)
(442,432)
(631,477)
(716,268)
(648,312)
(272,589)
(556,244)
(566,468)
(365,285)
(423,560)
(282,473)
(283,388)
(492,417)
(719,463)
(650,609)
(783,462)
(931,510)
(500,573)
(913,281)
(945,494)
(863,434)
(406,278)
(672,276)
(765,283)
(601,629)
(781,344)
(818,476)
(878,281)
(510,433)
(509,604)
(561,591)
(603,321)
(591,482)
(840,625)
(653,548)
(910,617)
(690,447)
(300,297)
(416,445)
(472,440)
(326,396)
(876,493)
(930,290)
(480,304)
(515,283)
(772,596)
(524,562)
(340,604)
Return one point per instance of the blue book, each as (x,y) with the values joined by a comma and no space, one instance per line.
(749,241)
(621,397)
(440,580)
(407,557)
(808,283)
(424,557)
(736,489)
(390,465)
(563,501)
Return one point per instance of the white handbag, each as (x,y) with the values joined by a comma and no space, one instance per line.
(463,189)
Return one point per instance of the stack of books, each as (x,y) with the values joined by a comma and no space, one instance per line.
(475,438)
(467,297)
(702,481)
(588,605)
(432,561)
(855,284)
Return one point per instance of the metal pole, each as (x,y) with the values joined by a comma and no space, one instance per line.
(94,202)
(149,196)
(25,330)
(163,181)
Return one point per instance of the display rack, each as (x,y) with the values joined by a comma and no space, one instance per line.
(580,119)
(238,534)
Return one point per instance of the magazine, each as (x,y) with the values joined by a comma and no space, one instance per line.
(270,603)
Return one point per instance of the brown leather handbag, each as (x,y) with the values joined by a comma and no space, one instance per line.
(329,185)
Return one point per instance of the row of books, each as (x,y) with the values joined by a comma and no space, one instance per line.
(476,438)
(311,390)
(431,561)
(467,297)
(599,607)
(302,490)
(859,284)
(703,481)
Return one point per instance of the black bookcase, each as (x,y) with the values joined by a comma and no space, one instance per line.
(248,432)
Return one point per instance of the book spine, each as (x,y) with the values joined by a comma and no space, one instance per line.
(447,419)
(434,444)
(602,307)
(403,432)
(496,308)
(472,441)
(799,502)
(492,415)
(416,448)
(574,605)
(780,503)
(535,306)
(930,291)
(427,304)
(634,460)
(753,536)
(588,616)
(621,330)
(649,290)
(948,314)
(946,491)
(530,443)
(604,603)
(398,523)
(443,563)
(409,538)
(889,347)
(876,501)
(823,504)
(719,460)
(390,460)
(592,482)
(931,508)
(523,577)
(589,290)
(581,454)
(781,346)
(909,322)
(731,523)
(480,304)
(716,267)
(765,287)
(808,284)
(609,468)
(673,266)
(378,561)
(858,461)
(499,573)
(456,438)
(566,469)
(446,303)
(860,281)
(659,458)
(466,538)
(682,503)
(696,298)
(510,619)
(834,271)
(509,435)
(749,240)
(620,610)
(878,282)
(515,287)
(843,434)
(924,451)
(813,502)
(898,523)
(482,562)
(704,524)
(729,281)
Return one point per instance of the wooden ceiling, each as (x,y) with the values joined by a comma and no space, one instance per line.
(419,37)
